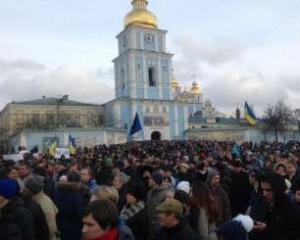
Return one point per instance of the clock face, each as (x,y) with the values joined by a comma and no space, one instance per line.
(124,41)
(149,38)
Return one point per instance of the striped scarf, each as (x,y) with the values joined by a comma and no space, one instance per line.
(129,210)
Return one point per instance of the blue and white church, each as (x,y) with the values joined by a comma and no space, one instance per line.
(144,83)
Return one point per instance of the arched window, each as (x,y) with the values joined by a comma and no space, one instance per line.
(151,77)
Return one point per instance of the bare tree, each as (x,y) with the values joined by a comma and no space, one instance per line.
(278,116)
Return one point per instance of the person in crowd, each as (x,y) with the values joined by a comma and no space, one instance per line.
(183,173)
(280,169)
(184,198)
(24,173)
(105,192)
(278,217)
(40,221)
(204,210)
(34,188)
(201,171)
(100,222)
(12,173)
(173,225)
(240,192)
(291,173)
(120,183)
(184,186)
(296,195)
(69,202)
(15,219)
(134,213)
(87,179)
(156,195)
(220,195)
(103,172)
(236,229)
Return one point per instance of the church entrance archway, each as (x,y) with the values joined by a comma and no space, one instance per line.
(156,136)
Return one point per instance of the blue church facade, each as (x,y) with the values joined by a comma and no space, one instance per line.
(143,80)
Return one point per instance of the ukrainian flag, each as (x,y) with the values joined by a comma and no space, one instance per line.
(249,115)
(52,147)
(72,145)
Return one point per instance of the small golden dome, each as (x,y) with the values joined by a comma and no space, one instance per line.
(140,15)
(174,82)
(195,88)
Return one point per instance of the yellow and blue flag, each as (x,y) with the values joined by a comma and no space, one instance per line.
(52,147)
(249,115)
(72,145)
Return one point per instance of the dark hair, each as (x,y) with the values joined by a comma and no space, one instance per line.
(104,212)
(9,169)
(277,184)
(203,198)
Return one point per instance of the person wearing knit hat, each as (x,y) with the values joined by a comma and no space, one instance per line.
(157,178)
(34,184)
(16,221)
(211,174)
(236,229)
(34,189)
(8,188)
(221,196)
(184,186)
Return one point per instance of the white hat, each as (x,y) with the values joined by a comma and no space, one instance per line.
(184,186)
(246,221)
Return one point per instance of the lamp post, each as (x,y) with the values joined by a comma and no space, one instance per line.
(59,102)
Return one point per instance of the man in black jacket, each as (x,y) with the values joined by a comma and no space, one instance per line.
(277,216)
(13,211)
(173,226)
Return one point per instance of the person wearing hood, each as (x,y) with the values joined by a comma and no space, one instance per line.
(156,195)
(278,217)
(69,201)
(220,195)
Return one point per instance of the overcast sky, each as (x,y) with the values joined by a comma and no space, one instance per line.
(237,49)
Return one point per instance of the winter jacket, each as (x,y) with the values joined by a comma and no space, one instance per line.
(206,229)
(69,202)
(16,213)
(139,224)
(182,231)
(40,222)
(50,211)
(283,221)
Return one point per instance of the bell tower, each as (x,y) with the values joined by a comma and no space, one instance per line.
(143,66)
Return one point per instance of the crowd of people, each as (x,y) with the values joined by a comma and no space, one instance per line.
(155,190)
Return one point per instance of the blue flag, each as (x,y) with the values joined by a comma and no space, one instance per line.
(136,125)
(249,115)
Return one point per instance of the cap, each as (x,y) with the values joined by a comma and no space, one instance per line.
(170,205)
(8,188)
(184,186)
(35,183)
(157,178)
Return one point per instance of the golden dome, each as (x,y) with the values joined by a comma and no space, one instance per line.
(195,88)
(174,82)
(140,15)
